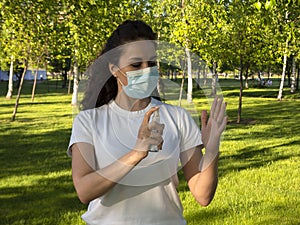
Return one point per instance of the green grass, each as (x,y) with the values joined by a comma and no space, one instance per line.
(258,167)
(36,185)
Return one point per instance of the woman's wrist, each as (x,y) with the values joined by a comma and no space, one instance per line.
(212,147)
(138,155)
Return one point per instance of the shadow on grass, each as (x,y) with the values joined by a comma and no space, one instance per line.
(282,214)
(247,158)
(238,213)
(262,122)
(43,203)
(38,161)
(33,153)
(250,157)
(9,107)
(207,214)
(267,121)
(44,153)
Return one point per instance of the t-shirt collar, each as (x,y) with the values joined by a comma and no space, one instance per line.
(123,112)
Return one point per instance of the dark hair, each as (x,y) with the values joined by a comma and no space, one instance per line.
(128,31)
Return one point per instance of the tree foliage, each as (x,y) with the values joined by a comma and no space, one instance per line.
(250,36)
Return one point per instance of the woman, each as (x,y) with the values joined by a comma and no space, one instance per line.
(112,167)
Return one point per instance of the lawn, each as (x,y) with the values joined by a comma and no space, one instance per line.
(258,168)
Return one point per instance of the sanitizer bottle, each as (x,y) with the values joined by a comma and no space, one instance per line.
(156,118)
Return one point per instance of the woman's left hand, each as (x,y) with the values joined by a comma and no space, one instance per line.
(213,127)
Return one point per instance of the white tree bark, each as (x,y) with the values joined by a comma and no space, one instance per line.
(293,76)
(189,75)
(75,84)
(279,97)
(10,79)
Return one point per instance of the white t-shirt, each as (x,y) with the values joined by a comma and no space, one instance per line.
(147,195)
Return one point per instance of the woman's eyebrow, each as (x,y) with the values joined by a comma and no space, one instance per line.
(135,59)
(139,59)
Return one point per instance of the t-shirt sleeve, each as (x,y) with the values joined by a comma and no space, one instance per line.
(189,130)
(81,130)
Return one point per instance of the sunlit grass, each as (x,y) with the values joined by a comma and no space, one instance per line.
(259,164)
(258,167)
(36,185)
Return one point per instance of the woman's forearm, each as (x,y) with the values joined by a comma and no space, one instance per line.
(91,184)
(204,184)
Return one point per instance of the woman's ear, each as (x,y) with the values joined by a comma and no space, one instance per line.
(113,69)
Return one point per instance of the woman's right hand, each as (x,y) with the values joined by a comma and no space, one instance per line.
(149,134)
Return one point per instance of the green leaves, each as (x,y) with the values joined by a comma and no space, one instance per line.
(257,5)
(218,30)
(268,5)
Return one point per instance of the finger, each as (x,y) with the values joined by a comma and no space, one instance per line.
(217,108)
(148,115)
(221,113)
(213,106)
(155,139)
(144,132)
(156,126)
(155,134)
(223,124)
(204,118)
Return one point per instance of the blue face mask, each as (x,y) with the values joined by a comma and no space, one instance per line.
(141,83)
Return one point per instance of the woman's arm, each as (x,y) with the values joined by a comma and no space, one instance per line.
(201,171)
(91,184)
(202,184)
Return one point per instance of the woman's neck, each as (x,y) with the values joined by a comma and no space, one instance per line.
(131,104)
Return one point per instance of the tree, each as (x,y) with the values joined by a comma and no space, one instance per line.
(11,44)
(24,34)
(10,79)
(245,38)
(284,18)
(293,76)
(89,24)
(13,117)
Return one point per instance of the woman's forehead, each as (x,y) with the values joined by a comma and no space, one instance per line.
(137,51)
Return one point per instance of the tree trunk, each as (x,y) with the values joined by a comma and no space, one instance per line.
(269,73)
(204,76)
(259,79)
(19,93)
(279,97)
(190,78)
(297,83)
(65,78)
(214,79)
(10,79)
(198,78)
(246,76)
(293,76)
(181,88)
(34,85)
(240,96)
(288,72)
(75,84)
(174,74)
(70,81)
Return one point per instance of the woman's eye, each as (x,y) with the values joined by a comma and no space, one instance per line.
(138,64)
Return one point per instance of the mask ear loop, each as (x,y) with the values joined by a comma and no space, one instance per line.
(118,77)
(122,72)
(121,82)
